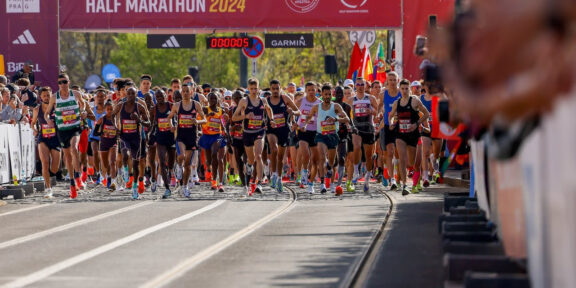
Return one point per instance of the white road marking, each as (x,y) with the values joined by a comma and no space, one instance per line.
(45,233)
(46,272)
(24,209)
(188,264)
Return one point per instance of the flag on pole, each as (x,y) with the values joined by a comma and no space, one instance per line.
(380,65)
(355,60)
(367,69)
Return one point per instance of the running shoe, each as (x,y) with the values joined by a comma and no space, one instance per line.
(280,187)
(384,181)
(135,193)
(426,183)
(247,191)
(333,189)
(73,192)
(153,187)
(130,182)
(393,186)
(220,188)
(349,186)
(405,191)
(208,176)
(98,180)
(147,182)
(366,188)
(414,190)
(173,181)
(48,193)
(213,185)
(419,187)
(258,189)
(323,189)
(186,192)
(355,178)
(84,176)
(112,187)
(231,179)
(310,188)
(273,181)
(106,182)
(196,179)
(141,187)
(80,184)
(167,194)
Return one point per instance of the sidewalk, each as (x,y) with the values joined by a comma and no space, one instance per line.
(411,255)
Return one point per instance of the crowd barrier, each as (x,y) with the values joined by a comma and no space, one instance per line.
(17,152)
(531,197)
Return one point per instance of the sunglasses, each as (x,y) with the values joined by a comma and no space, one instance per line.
(62,82)
(207,91)
(227,98)
(360,84)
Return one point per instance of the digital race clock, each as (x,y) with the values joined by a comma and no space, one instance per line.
(228,42)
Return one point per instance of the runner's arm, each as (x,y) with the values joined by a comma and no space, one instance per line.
(291,105)
(50,107)
(392,114)
(312,115)
(200,113)
(34,119)
(144,119)
(340,112)
(239,114)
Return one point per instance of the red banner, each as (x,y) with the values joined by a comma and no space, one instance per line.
(29,30)
(240,15)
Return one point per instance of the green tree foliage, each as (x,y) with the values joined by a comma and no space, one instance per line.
(219,67)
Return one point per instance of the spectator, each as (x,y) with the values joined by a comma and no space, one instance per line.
(25,72)
(3,80)
(27,95)
(12,112)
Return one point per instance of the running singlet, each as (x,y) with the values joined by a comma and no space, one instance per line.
(163,123)
(185,124)
(388,103)
(279,112)
(46,132)
(406,117)
(213,123)
(67,112)
(130,128)
(327,126)
(108,129)
(362,110)
(256,124)
(428,105)
(305,108)
(237,130)
(93,123)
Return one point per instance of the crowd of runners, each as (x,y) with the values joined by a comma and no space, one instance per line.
(137,137)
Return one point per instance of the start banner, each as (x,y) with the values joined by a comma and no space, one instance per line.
(229,14)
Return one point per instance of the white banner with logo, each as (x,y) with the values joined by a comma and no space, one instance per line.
(4,155)
(17,152)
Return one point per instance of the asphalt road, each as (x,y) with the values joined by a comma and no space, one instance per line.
(210,240)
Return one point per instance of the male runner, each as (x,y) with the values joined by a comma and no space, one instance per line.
(405,115)
(387,135)
(253,111)
(278,134)
(48,144)
(364,108)
(212,141)
(306,136)
(327,116)
(69,108)
(164,134)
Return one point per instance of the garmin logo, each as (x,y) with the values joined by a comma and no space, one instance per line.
(289,40)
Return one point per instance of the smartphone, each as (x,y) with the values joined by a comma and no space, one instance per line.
(432,21)
(420,44)
(444,111)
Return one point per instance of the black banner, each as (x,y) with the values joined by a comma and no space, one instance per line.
(289,40)
(171,41)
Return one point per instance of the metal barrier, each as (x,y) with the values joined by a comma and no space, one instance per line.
(17,152)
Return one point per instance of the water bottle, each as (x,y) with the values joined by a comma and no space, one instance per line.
(15,179)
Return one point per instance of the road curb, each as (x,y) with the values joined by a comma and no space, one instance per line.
(456,182)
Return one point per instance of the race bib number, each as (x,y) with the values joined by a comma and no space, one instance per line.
(238,131)
(163,124)
(69,116)
(214,125)
(404,125)
(48,131)
(280,120)
(327,127)
(109,131)
(129,126)
(185,121)
(361,110)
(255,123)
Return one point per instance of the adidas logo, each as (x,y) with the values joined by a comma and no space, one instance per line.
(25,38)
(171,43)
